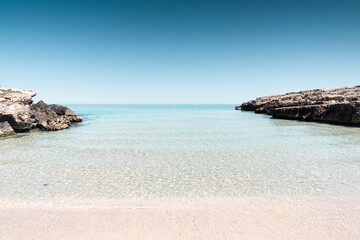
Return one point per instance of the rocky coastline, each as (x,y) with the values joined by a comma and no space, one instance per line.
(336,105)
(18,113)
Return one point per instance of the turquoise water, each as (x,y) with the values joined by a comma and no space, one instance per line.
(127,152)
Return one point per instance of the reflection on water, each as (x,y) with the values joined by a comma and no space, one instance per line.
(169,151)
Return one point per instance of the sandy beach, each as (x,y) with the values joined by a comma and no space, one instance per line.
(229,218)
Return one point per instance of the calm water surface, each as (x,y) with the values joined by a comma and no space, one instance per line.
(128,152)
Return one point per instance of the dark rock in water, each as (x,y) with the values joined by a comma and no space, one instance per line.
(64,111)
(18,109)
(338,106)
(6,129)
(53,117)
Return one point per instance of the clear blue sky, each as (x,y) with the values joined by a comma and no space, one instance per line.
(177,51)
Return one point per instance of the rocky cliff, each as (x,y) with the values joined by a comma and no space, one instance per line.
(18,112)
(337,106)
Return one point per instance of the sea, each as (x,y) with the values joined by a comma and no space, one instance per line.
(126,152)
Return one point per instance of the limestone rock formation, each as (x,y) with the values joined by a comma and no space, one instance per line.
(338,105)
(18,109)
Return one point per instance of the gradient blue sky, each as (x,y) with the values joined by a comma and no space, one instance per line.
(177,51)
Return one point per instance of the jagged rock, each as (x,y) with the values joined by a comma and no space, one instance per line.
(64,111)
(16,95)
(6,129)
(338,106)
(17,108)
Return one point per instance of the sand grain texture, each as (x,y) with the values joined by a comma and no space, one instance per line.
(250,218)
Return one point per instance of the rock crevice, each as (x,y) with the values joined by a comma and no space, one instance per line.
(18,111)
(337,106)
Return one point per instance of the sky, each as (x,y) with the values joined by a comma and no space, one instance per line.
(177,52)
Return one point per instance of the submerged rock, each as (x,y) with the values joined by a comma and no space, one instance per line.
(338,106)
(18,109)
(6,129)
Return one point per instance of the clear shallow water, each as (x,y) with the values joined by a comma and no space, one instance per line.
(125,152)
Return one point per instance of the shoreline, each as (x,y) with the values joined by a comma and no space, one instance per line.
(193,201)
(320,217)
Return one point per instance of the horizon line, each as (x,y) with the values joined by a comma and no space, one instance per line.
(174,104)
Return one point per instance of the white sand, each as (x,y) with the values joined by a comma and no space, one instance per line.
(232,218)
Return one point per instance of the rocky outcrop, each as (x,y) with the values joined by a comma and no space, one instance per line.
(6,129)
(19,111)
(338,106)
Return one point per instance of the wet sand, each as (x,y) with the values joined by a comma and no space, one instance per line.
(230,218)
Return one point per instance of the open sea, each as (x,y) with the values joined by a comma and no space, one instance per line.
(168,151)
